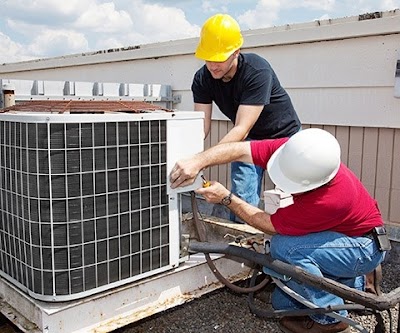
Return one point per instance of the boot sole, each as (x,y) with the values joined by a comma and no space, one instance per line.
(284,329)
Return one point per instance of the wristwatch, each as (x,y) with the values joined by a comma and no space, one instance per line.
(227,200)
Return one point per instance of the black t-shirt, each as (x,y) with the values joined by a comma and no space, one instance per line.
(254,83)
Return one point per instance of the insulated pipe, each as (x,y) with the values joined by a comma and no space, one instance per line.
(8,93)
(383,302)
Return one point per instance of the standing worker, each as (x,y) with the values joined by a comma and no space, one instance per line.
(246,89)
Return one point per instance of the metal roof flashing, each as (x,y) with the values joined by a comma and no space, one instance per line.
(353,26)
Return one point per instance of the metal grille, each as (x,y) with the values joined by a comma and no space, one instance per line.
(83,205)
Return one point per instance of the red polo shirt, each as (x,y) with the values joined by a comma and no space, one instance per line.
(343,205)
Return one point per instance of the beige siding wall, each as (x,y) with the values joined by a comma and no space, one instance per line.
(373,154)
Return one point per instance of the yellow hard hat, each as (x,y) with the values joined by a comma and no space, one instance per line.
(220,36)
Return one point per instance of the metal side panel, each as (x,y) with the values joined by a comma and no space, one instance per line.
(185,138)
(116,308)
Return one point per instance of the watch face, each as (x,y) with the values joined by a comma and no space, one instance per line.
(227,200)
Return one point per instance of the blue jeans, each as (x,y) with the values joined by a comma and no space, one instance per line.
(329,254)
(246,182)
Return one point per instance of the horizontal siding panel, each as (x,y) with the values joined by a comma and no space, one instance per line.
(356,62)
(369,107)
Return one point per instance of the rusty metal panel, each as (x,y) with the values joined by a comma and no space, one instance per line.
(82,106)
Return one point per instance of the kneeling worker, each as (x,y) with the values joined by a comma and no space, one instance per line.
(329,230)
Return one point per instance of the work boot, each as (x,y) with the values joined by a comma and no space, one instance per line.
(306,324)
(373,281)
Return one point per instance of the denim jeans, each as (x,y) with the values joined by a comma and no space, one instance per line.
(329,254)
(246,182)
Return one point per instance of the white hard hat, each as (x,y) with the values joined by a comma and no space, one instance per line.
(309,159)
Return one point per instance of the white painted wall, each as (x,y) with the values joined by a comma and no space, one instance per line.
(338,72)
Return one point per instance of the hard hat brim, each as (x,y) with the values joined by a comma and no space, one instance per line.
(218,57)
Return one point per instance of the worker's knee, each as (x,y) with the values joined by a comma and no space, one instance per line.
(280,246)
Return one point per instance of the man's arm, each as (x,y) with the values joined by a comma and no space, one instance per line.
(253,216)
(246,117)
(207,109)
(185,171)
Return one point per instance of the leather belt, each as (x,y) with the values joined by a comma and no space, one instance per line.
(369,234)
(378,234)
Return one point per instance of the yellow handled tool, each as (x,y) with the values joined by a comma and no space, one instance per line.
(206,183)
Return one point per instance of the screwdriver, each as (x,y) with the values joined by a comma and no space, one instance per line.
(206,183)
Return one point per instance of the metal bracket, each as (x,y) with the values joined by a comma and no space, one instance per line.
(397,80)
(176,98)
(185,239)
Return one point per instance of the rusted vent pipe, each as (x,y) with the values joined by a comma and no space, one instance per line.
(8,94)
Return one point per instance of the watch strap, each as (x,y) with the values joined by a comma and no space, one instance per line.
(226,201)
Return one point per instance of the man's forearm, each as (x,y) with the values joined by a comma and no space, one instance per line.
(225,153)
(236,134)
(253,216)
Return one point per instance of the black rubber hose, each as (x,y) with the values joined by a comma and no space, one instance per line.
(201,231)
(371,301)
(269,314)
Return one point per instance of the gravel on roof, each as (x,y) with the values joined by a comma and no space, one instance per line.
(225,311)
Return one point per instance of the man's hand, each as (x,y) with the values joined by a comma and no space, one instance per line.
(184,172)
(213,193)
(253,216)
